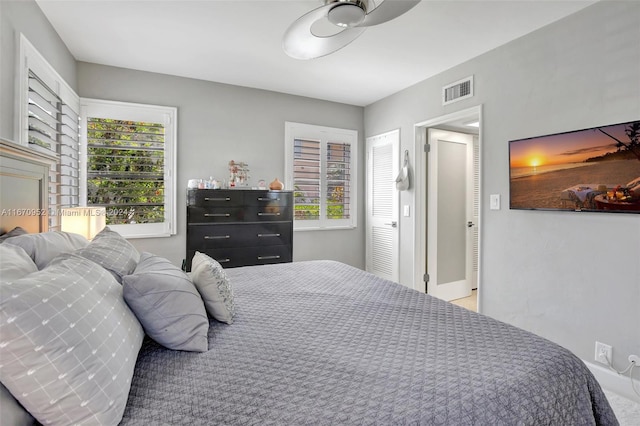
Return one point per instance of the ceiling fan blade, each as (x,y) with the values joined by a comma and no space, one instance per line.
(388,10)
(299,42)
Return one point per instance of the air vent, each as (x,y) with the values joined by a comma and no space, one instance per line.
(457,91)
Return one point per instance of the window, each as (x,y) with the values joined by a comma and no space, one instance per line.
(49,123)
(128,163)
(321,169)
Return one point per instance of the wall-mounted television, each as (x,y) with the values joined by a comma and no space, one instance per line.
(596,170)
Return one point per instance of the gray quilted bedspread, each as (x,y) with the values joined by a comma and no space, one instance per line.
(322,343)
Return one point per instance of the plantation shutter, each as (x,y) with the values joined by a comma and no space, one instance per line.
(319,162)
(306,179)
(126,170)
(53,128)
(338,178)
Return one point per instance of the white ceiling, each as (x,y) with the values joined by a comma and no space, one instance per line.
(239,41)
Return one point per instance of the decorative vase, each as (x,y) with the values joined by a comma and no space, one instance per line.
(276,185)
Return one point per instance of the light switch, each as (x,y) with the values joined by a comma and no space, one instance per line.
(494,201)
(407,210)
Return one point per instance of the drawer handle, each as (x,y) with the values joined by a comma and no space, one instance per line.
(216,237)
(223,260)
(217,214)
(217,199)
(268,199)
(268,257)
(268,214)
(268,235)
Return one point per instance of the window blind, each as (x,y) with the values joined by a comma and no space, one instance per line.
(126,170)
(313,177)
(53,128)
(319,162)
(306,179)
(337,178)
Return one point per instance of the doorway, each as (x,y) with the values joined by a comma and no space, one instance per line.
(448,221)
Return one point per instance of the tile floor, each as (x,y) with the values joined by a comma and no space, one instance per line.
(470,302)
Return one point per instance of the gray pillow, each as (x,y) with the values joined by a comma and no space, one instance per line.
(214,287)
(45,246)
(111,251)
(13,233)
(14,263)
(75,363)
(167,304)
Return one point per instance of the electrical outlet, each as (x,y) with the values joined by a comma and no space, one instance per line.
(603,353)
(635,359)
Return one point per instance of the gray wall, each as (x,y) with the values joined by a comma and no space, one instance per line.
(26,17)
(218,123)
(573,278)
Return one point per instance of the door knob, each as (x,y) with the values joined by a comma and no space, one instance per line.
(393,224)
(470,224)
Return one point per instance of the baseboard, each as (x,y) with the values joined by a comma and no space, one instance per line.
(614,382)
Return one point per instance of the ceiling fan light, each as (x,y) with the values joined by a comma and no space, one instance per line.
(347,14)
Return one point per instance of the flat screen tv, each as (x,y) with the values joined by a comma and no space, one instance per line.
(596,170)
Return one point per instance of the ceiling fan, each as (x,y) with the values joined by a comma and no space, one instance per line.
(352,16)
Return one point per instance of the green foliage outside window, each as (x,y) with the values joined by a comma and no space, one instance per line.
(125,171)
(306,208)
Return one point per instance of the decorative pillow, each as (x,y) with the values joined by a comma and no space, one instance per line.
(69,343)
(167,304)
(43,247)
(15,263)
(13,233)
(214,287)
(111,251)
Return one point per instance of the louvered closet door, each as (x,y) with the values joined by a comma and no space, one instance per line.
(382,205)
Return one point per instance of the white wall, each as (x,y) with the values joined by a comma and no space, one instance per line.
(218,123)
(573,278)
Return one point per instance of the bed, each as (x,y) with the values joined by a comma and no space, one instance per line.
(321,342)
(316,342)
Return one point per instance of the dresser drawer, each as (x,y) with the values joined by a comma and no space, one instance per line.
(268,198)
(267,213)
(214,198)
(238,235)
(232,257)
(215,214)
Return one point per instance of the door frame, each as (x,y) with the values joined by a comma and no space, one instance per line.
(420,205)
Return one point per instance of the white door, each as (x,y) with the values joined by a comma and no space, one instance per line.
(450,222)
(382,250)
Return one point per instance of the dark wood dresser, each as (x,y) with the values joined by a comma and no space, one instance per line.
(240,227)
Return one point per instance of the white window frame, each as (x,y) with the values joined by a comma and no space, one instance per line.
(324,134)
(145,113)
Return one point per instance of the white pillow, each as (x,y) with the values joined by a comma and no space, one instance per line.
(69,343)
(214,287)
